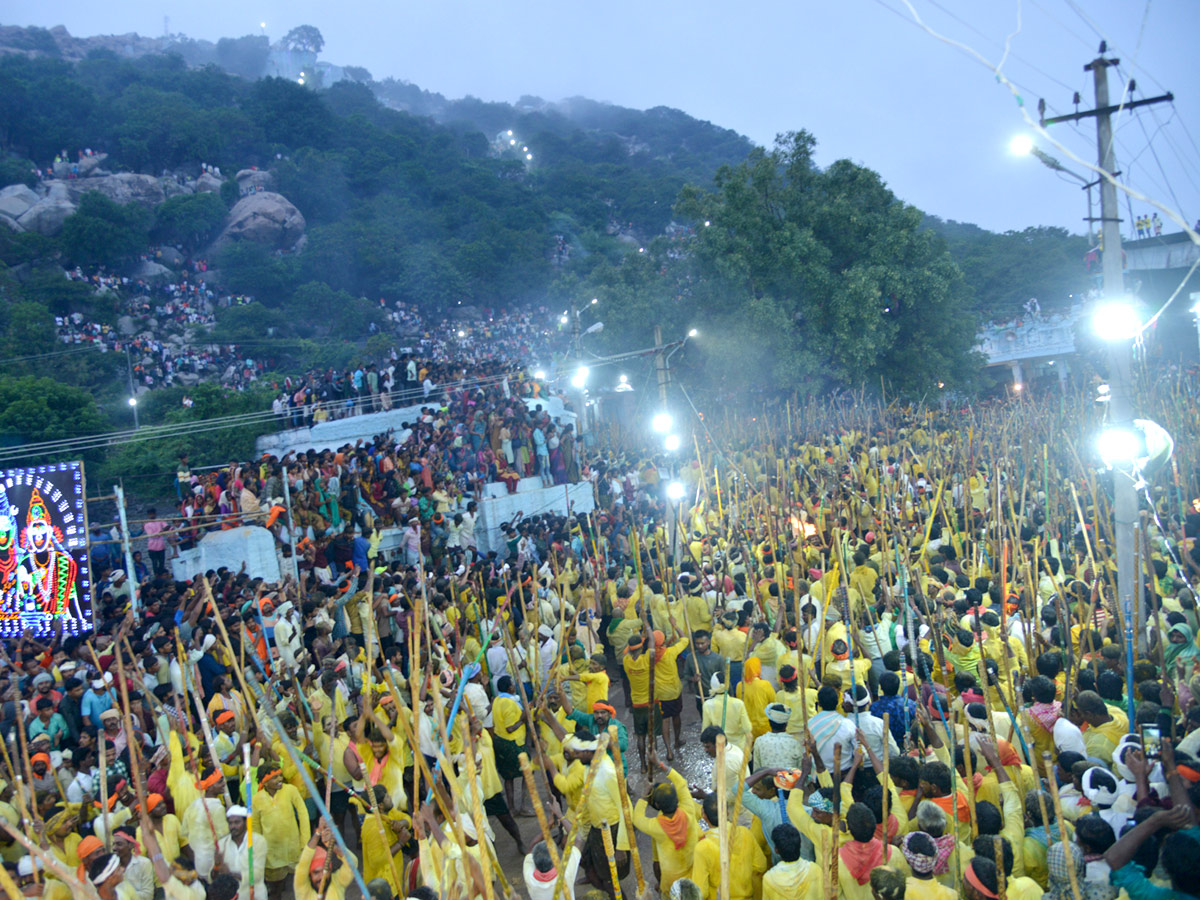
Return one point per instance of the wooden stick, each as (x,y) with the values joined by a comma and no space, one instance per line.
(606,836)
(998,844)
(601,749)
(543,823)
(837,822)
(969,778)
(626,809)
(477,813)
(723,817)
(1062,829)
(886,791)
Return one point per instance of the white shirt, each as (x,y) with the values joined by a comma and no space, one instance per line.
(477,699)
(139,875)
(468,530)
(544,890)
(497,660)
(1068,737)
(236,861)
(873,730)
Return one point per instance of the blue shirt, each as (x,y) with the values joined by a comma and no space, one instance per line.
(358,552)
(896,707)
(93,705)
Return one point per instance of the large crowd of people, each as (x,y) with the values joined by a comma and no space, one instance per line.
(878,653)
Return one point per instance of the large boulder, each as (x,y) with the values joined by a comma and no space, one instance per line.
(127,187)
(15,199)
(84,167)
(265,218)
(207,183)
(169,256)
(126,326)
(10,223)
(46,216)
(152,271)
(250,180)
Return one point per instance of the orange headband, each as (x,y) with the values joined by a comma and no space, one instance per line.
(973,880)
(269,776)
(599,704)
(208,782)
(223,717)
(1189,773)
(44,757)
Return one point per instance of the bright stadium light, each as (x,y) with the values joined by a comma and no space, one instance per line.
(1116,321)
(675,491)
(662,422)
(1021,145)
(579,379)
(1118,447)
(671,443)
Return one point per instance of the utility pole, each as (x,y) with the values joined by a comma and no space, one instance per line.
(577,350)
(132,392)
(660,367)
(1120,407)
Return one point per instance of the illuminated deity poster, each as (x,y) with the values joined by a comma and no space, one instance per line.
(44,571)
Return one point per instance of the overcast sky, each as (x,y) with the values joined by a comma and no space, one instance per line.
(870,84)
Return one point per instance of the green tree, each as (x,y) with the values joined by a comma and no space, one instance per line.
(36,409)
(103,232)
(816,278)
(304,37)
(189,219)
(251,321)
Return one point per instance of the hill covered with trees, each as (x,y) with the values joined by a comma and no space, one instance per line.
(809,277)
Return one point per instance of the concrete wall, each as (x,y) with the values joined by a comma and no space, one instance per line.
(248,544)
(331,435)
(498,507)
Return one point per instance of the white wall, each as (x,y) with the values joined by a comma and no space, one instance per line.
(331,435)
(499,506)
(249,544)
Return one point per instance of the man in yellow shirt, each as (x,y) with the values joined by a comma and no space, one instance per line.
(730,642)
(793,878)
(279,816)
(674,830)
(668,687)
(706,867)
(637,671)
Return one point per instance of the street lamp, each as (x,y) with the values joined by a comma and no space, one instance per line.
(1023,145)
(579,379)
(1116,321)
(1118,447)
(692,333)
(662,422)
(133,406)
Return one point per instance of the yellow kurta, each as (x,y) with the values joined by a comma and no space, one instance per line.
(730,713)
(674,863)
(169,838)
(377,840)
(339,880)
(799,880)
(757,694)
(743,877)
(283,819)
(391,773)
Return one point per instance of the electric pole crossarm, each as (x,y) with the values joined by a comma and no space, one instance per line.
(1108,110)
